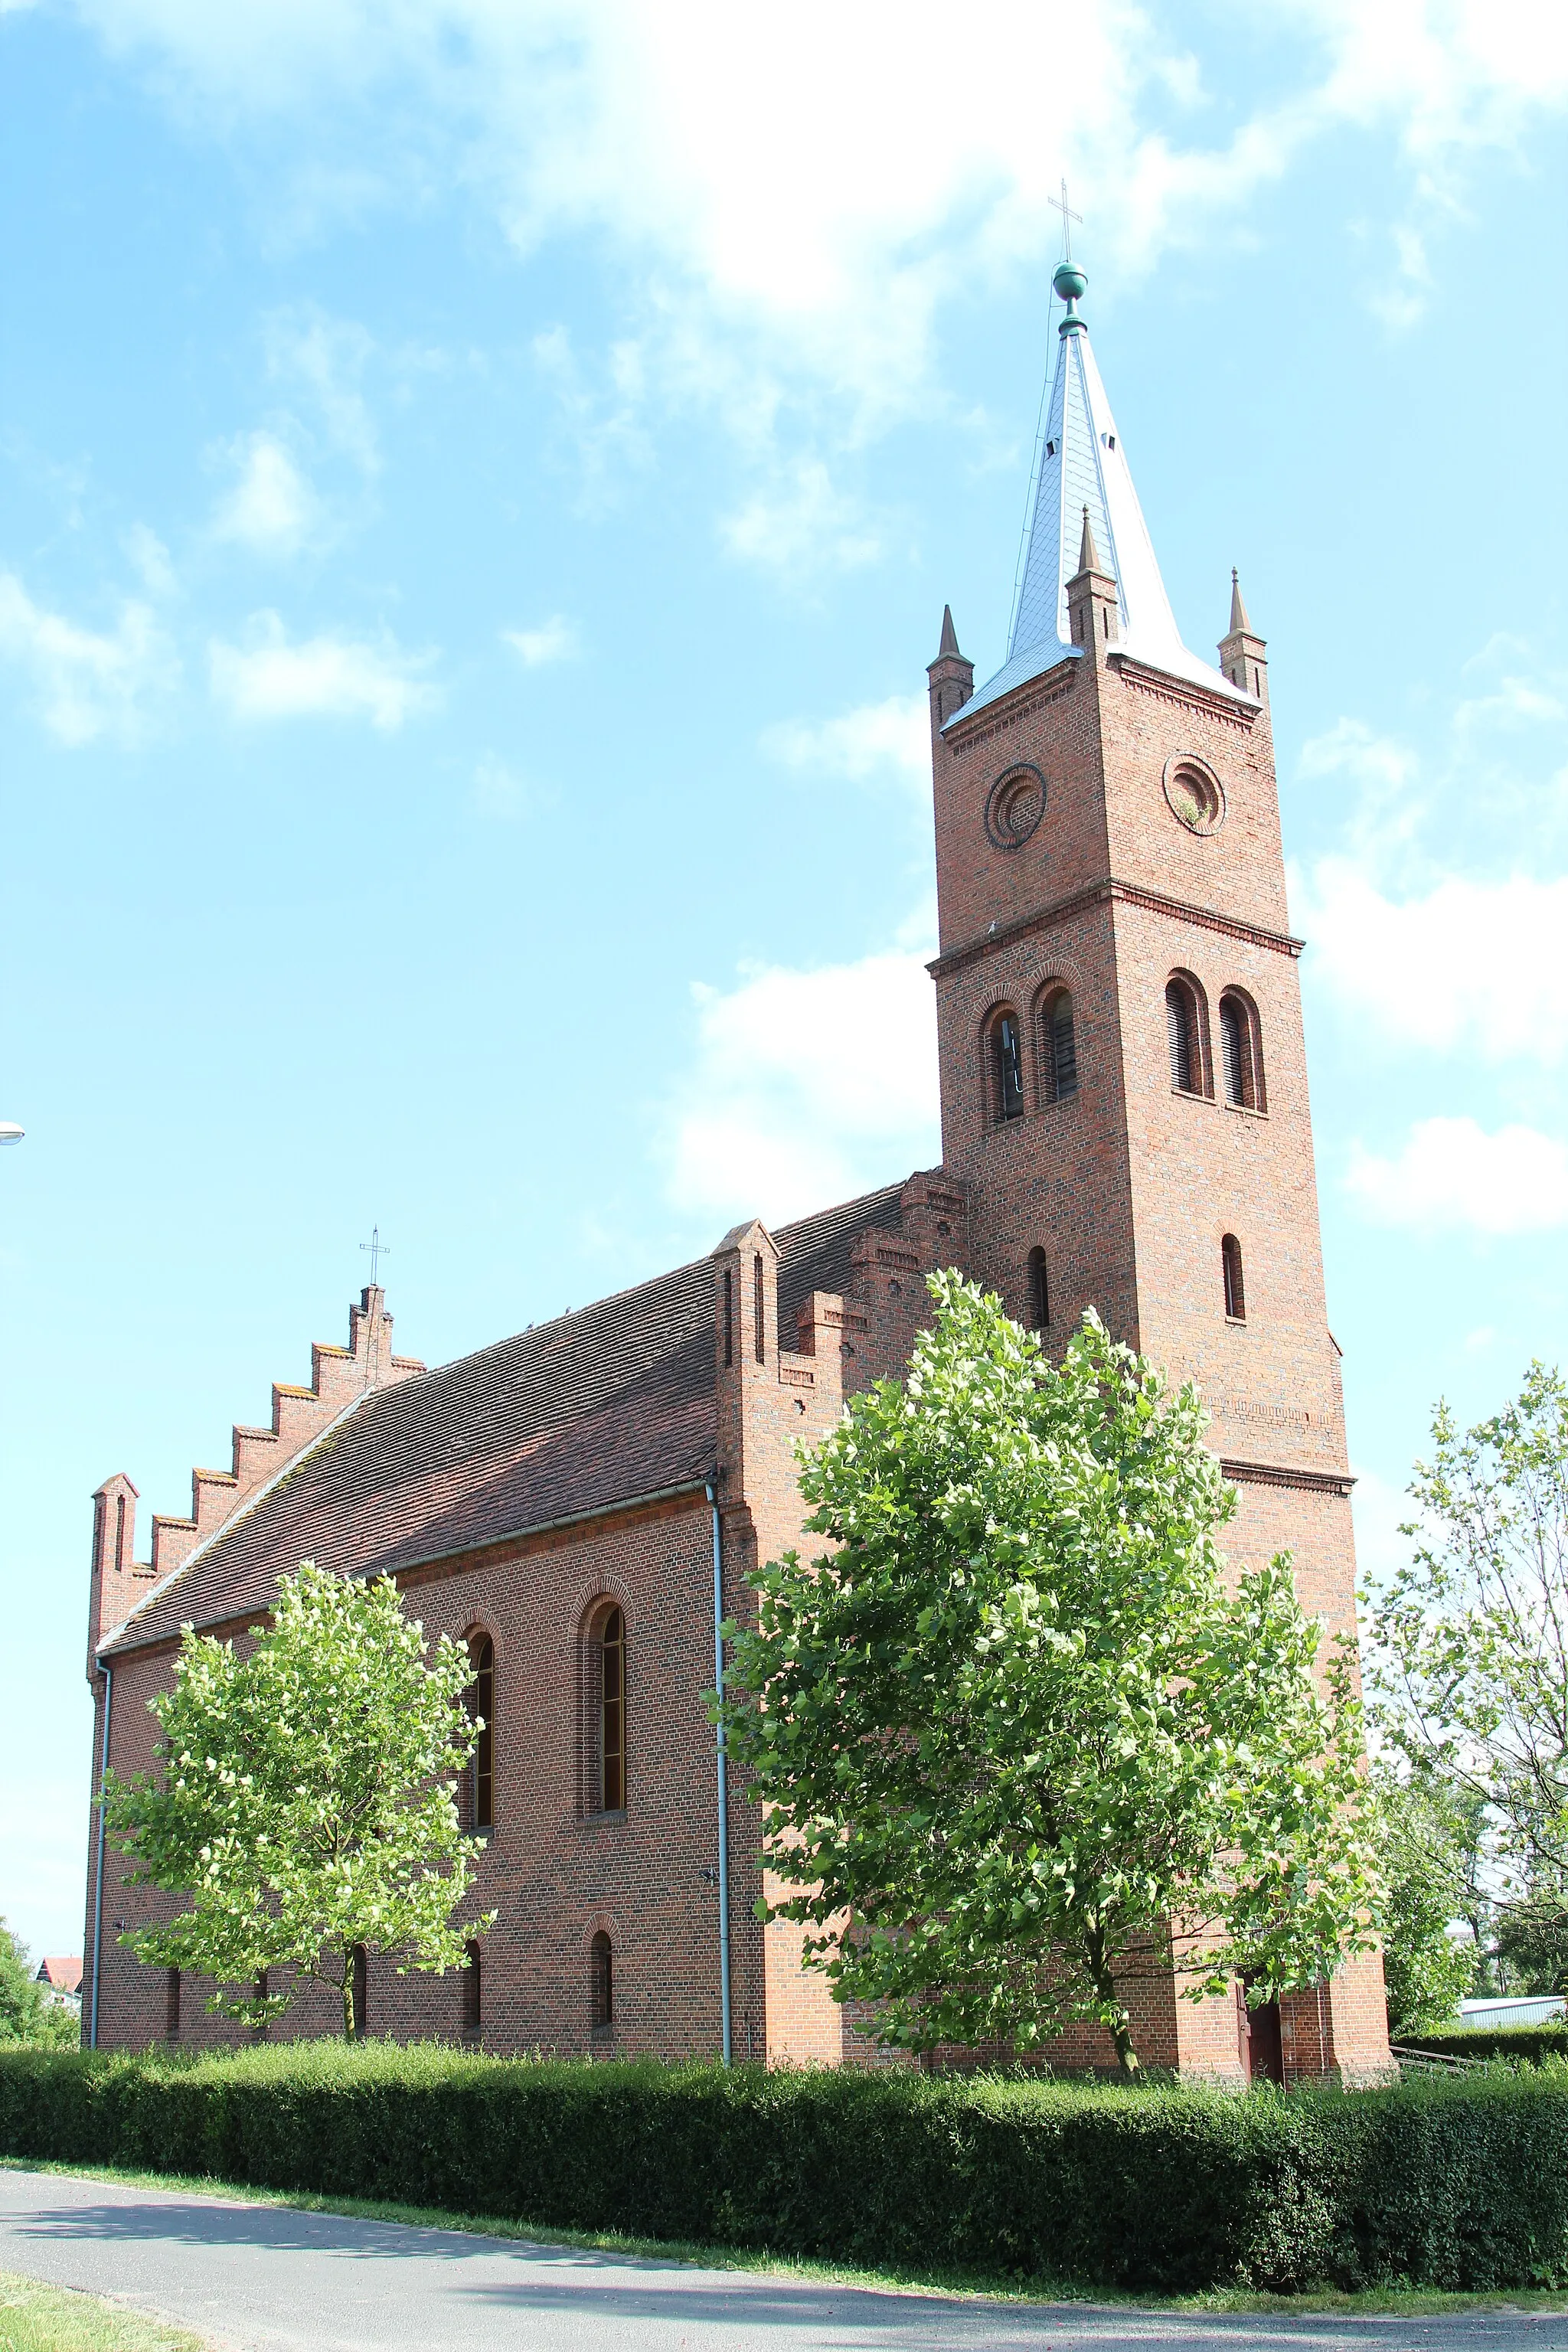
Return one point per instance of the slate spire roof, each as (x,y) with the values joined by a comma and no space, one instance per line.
(1084,482)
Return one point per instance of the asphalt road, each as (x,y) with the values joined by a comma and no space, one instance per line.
(268,2280)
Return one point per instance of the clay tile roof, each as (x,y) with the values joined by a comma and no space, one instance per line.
(64,1975)
(611,1403)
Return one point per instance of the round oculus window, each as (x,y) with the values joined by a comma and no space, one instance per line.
(1017,805)
(1195,793)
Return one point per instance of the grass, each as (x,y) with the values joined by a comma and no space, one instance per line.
(1409,2302)
(34,2318)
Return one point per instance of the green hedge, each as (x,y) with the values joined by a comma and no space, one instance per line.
(1449,2183)
(1530,2042)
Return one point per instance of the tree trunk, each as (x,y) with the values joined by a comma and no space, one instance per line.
(1127,2059)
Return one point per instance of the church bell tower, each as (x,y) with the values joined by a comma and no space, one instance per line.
(1123,1075)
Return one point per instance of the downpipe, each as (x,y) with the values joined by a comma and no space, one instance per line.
(98,1876)
(723,1783)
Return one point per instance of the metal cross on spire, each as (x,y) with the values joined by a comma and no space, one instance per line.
(1059,203)
(375,1249)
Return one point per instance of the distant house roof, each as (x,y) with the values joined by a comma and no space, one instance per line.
(1517,2009)
(571,1417)
(61,1975)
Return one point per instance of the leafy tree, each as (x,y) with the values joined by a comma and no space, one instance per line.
(1427,1848)
(26,2013)
(306,1799)
(1467,1652)
(1013,1725)
(1532,1940)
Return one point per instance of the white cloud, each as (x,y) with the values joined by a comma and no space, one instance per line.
(800,521)
(890,738)
(151,559)
(1377,1508)
(1452,1174)
(1475,968)
(826,177)
(89,682)
(272,508)
(500,792)
(555,640)
(807,1087)
(326,357)
(324,675)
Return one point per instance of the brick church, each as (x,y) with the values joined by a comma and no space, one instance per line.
(1125,1125)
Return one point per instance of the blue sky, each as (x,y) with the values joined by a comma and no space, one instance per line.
(478,484)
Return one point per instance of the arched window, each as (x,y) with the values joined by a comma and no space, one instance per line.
(481,1704)
(600,1984)
(1240,1051)
(1059,1048)
(471,2011)
(361,1992)
(172,2013)
(1186,1032)
(607,1712)
(1039,1291)
(1235,1290)
(1007,1066)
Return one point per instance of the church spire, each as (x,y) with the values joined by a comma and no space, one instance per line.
(1239,620)
(1083,479)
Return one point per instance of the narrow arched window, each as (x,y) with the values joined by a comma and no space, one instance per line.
(1059,1055)
(172,2010)
(1007,1066)
(482,1698)
(600,1984)
(1187,1033)
(607,1697)
(471,2009)
(1235,1289)
(1039,1291)
(1240,1051)
(360,1992)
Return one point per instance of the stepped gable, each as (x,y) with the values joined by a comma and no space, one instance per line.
(593,1409)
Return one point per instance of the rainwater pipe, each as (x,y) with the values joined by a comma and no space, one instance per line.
(723,1782)
(98,1877)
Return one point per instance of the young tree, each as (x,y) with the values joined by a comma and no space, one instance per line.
(1016,1742)
(1468,1650)
(26,2013)
(306,1798)
(1426,1852)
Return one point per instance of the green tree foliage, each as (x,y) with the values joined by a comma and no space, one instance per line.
(26,2013)
(1467,1655)
(305,1802)
(1013,1723)
(1427,1845)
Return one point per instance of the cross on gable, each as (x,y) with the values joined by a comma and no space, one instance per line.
(375,1249)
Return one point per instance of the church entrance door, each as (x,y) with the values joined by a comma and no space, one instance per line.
(1259,2039)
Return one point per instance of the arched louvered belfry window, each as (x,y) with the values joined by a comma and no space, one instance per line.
(1039,1291)
(1187,1033)
(606,1758)
(1059,1046)
(600,1984)
(1234,1288)
(1240,1051)
(481,1704)
(1006,1066)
